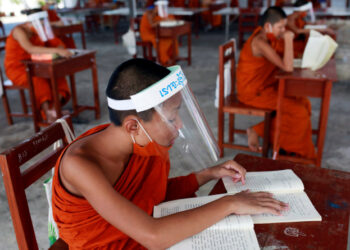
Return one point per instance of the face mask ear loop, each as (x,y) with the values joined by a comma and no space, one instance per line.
(149,138)
(132,138)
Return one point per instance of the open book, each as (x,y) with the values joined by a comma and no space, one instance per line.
(233,232)
(319,49)
(237,231)
(44,56)
(286,187)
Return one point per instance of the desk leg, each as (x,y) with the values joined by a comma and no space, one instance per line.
(115,24)
(276,146)
(56,99)
(35,109)
(323,121)
(95,88)
(74,95)
(83,42)
(189,47)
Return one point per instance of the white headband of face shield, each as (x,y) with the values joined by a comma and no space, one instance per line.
(154,94)
(45,33)
(304,7)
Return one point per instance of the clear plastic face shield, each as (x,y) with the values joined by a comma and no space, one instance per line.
(309,9)
(177,121)
(162,7)
(41,24)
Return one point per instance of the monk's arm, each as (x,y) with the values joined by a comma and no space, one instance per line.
(292,26)
(262,48)
(228,168)
(20,36)
(163,232)
(151,20)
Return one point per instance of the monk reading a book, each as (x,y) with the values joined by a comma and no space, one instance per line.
(34,38)
(259,60)
(149,21)
(296,23)
(107,182)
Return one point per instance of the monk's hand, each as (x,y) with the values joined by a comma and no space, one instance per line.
(64,52)
(247,202)
(288,35)
(229,168)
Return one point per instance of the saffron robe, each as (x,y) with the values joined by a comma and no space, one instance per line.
(144,182)
(165,50)
(257,86)
(68,41)
(209,18)
(16,70)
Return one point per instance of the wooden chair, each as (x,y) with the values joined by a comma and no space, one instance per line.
(232,106)
(16,181)
(146,46)
(248,20)
(7,86)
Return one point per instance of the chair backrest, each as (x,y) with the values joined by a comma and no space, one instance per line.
(255,3)
(248,17)
(16,181)
(227,53)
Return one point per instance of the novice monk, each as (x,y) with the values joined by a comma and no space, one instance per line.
(257,85)
(107,182)
(148,24)
(208,17)
(20,44)
(55,20)
(296,23)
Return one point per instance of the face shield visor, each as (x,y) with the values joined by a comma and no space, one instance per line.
(309,9)
(162,7)
(41,25)
(177,121)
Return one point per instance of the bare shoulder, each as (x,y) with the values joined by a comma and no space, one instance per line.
(78,164)
(259,44)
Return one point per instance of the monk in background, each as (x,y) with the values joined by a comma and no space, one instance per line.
(259,61)
(212,21)
(296,23)
(20,44)
(55,20)
(149,21)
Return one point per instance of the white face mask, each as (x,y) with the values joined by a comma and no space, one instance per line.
(144,130)
(270,28)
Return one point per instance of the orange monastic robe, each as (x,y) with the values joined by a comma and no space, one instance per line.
(300,41)
(257,86)
(144,182)
(16,70)
(165,44)
(209,18)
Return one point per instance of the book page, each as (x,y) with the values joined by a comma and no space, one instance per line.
(300,209)
(215,238)
(233,232)
(315,26)
(314,51)
(331,47)
(282,181)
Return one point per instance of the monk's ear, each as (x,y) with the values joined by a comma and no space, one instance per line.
(131,125)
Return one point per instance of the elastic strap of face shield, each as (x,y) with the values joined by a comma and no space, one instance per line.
(154,95)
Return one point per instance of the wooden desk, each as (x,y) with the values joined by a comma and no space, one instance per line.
(62,30)
(61,68)
(305,82)
(174,33)
(329,192)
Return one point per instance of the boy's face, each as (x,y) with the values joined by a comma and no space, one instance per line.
(165,124)
(279,28)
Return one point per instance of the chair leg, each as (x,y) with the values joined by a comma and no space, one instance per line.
(7,108)
(23,101)
(267,124)
(231,137)
(221,132)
